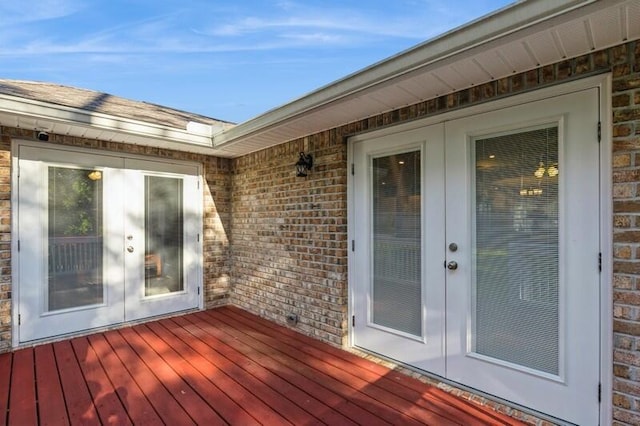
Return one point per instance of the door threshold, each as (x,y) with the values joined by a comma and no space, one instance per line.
(90,331)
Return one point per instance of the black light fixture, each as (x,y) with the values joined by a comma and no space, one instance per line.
(304,164)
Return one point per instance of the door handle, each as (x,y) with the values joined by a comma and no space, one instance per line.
(452,266)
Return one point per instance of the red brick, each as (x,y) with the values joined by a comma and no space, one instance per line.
(584,64)
(564,70)
(626,144)
(627,297)
(630,328)
(619,54)
(622,401)
(548,74)
(622,100)
(621,221)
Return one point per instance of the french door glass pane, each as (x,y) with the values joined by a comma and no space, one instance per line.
(397,293)
(74,238)
(163,235)
(516,246)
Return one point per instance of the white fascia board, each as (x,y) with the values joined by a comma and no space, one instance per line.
(503,22)
(81,118)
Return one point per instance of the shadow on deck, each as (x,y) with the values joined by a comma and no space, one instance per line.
(222,366)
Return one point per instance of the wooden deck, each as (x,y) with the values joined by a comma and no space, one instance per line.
(221,366)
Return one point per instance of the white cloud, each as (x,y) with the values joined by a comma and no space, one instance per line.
(18,12)
(313,38)
(287,24)
(256,25)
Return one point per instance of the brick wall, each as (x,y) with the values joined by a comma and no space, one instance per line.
(5,243)
(288,236)
(217,207)
(289,247)
(626,241)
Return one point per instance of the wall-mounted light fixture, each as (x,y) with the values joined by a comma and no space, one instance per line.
(304,164)
(43,136)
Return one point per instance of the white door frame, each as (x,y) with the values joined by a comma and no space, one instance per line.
(603,84)
(196,226)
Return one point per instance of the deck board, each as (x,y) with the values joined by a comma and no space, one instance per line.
(353,365)
(355,391)
(22,400)
(424,394)
(216,367)
(286,410)
(285,390)
(191,401)
(352,378)
(48,386)
(78,400)
(133,399)
(165,404)
(260,410)
(442,404)
(294,373)
(202,376)
(5,384)
(109,407)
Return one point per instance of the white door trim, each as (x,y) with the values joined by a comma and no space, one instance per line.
(179,165)
(603,83)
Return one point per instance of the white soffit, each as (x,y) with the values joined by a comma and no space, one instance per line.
(515,39)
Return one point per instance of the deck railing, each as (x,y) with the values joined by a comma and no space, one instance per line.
(74,254)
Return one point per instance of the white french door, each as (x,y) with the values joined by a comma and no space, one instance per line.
(476,252)
(399,202)
(103,240)
(162,235)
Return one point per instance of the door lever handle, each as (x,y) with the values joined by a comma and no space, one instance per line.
(452,266)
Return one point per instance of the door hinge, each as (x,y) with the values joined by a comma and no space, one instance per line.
(599,392)
(198,290)
(353,245)
(198,239)
(599,131)
(353,320)
(18,245)
(353,169)
(19,320)
(600,262)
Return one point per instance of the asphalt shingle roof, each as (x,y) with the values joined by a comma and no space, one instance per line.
(105,103)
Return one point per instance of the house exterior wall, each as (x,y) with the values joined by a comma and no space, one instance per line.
(276,244)
(289,235)
(216,207)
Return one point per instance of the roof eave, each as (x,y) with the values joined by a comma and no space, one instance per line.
(38,115)
(503,22)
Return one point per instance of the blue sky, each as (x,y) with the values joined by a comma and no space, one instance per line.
(230,60)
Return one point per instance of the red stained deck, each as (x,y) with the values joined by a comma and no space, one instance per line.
(223,366)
